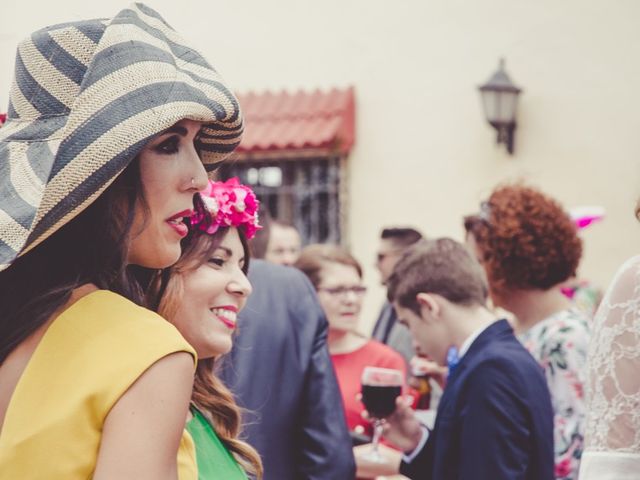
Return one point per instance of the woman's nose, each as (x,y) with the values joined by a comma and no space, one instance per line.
(240,285)
(197,173)
(350,296)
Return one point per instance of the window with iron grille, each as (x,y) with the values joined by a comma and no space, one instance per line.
(302,191)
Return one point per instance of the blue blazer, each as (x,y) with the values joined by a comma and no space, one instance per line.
(281,372)
(494,420)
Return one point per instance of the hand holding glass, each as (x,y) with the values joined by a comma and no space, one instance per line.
(380,388)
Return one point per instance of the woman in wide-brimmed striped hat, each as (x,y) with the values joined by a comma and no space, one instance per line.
(111,125)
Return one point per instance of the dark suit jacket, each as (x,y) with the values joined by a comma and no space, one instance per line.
(494,420)
(392,333)
(281,371)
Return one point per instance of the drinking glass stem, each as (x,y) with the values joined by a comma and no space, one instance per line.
(377,431)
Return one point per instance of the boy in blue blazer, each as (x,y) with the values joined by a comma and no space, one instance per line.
(495,419)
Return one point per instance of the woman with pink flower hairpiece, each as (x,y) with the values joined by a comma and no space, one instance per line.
(201,296)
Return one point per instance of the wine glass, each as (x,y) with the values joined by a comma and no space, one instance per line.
(380,388)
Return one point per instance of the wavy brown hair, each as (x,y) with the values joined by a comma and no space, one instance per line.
(525,238)
(209,395)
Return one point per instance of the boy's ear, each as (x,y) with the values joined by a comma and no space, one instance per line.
(428,304)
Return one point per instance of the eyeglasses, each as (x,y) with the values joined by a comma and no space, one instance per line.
(358,291)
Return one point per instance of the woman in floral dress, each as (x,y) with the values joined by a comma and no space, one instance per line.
(529,246)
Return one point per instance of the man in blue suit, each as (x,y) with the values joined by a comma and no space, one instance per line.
(495,419)
(281,372)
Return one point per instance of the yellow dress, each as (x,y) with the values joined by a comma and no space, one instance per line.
(88,357)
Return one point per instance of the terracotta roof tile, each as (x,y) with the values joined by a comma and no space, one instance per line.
(300,120)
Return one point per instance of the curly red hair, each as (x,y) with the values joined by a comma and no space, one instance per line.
(526,240)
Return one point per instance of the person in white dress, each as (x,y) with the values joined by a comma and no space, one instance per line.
(612,433)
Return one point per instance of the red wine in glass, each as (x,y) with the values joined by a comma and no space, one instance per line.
(380,388)
(380,400)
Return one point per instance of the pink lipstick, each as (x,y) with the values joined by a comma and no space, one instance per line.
(227,315)
(176,222)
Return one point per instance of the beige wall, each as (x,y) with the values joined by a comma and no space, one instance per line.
(424,155)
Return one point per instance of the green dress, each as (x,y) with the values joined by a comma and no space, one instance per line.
(215,462)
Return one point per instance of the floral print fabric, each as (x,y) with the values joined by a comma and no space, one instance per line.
(560,343)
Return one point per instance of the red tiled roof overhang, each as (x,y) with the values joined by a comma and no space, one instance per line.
(300,121)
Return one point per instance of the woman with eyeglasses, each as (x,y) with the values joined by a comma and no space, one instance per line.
(337,277)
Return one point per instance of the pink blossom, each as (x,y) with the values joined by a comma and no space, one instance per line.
(230,204)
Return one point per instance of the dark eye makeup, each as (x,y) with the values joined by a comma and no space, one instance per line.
(168,146)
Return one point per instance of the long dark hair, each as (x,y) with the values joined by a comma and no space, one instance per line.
(209,395)
(91,248)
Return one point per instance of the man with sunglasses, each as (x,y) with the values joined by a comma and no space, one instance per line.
(394,242)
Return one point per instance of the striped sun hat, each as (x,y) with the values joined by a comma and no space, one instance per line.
(87,96)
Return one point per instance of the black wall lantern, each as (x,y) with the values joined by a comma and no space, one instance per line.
(499,100)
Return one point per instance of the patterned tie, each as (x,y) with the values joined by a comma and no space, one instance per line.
(452,360)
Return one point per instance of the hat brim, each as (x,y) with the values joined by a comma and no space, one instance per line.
(142,79)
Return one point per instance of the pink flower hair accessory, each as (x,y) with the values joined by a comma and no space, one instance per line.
(228,204)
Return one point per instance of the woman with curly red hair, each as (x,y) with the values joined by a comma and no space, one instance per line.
(529,246)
